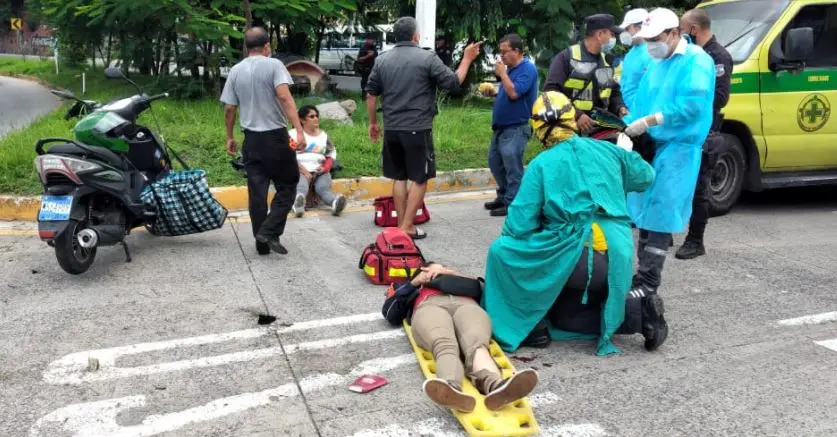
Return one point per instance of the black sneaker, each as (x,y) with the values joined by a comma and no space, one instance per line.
(639,291)
(654,326)
(262,248)
(273,244)
(539,337)
(690,249)
(500,212)
(494,204)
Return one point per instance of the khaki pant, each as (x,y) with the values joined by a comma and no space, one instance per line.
(446,324)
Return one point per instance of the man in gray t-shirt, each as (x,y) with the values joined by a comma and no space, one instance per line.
(260,86)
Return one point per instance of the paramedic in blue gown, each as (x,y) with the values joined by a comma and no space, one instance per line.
(674,105)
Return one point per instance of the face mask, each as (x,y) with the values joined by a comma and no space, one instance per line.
(658,50)
(626,39)
(609,46)
(689,38)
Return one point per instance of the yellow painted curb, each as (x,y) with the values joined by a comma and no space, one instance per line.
(244,219)
(19,208)
(14,208)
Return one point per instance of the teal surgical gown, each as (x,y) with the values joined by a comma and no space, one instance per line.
(682,87)
(633,68)
(564,190)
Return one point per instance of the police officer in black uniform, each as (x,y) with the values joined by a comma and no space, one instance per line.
(696,24)
(573,72)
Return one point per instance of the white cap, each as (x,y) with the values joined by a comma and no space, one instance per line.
(658,21)
(634,16)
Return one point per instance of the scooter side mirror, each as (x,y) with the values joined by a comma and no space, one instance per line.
(113,73)
(63,94)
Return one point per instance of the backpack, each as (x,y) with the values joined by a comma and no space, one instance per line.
(392,259)
(387,216)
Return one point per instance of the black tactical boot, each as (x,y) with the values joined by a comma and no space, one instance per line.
(690,249)
(494,204)
(539,337)
(654,326)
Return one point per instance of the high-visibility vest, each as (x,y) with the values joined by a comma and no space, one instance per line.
(581,78)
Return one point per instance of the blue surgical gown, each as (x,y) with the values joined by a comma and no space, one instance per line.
(682,88)
(633,68)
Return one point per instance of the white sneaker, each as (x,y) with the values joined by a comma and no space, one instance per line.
(338,205)
(299,205)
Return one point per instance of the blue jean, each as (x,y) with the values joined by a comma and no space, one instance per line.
(505,158)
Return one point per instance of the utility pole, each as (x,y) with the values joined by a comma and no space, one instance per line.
(426,20)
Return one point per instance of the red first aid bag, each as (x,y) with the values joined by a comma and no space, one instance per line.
(392,258)
(386,216)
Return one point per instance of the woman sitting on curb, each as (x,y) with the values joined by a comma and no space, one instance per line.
(447,323)
(315,162)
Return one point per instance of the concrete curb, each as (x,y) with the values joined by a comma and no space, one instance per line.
(14,208)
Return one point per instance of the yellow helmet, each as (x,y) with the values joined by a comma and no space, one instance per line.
(553,118)
(487,89)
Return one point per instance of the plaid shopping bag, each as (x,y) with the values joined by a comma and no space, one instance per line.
(184,204)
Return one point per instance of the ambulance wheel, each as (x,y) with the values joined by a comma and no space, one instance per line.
(728,176)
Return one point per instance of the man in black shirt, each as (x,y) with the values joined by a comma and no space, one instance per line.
(365,60)
(696,23)
(443,51)
(575,72)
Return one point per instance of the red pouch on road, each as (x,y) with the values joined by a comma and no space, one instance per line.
(387,217)
(367,383)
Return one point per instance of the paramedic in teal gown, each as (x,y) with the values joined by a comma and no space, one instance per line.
(674,105)
(572,197)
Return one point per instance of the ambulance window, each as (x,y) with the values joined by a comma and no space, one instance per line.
(740,25)
(823,20)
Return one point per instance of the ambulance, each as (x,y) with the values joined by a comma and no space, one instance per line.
(779,128)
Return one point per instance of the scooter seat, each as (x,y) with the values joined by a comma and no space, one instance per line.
(102,153)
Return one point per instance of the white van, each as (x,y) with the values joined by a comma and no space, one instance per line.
(340,46)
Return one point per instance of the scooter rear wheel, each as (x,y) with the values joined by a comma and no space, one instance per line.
(73,258)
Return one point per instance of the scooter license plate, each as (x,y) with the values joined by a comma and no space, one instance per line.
(55,208)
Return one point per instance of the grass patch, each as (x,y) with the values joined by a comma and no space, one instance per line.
(195,129)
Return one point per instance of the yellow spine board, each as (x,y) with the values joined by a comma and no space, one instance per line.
(516,419)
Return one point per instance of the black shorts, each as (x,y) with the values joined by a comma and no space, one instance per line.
(409,155)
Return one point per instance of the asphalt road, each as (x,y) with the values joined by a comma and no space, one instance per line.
(22,102)
(179,352)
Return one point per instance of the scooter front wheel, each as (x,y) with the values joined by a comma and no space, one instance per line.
(72,257)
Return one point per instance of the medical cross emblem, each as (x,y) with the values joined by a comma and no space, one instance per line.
(813,113)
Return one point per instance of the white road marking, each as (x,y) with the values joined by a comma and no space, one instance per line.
(62,371)
(72,369)
(813,319)
(830,344)
(99,419)
(438,427)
